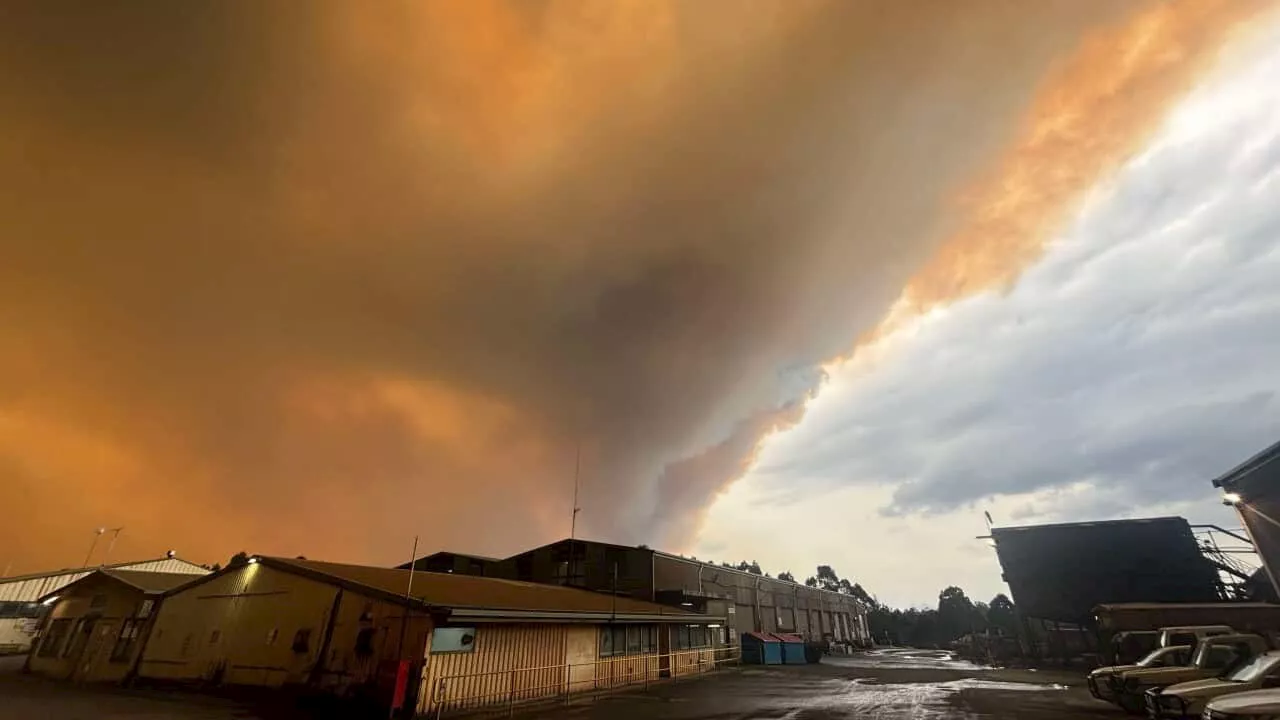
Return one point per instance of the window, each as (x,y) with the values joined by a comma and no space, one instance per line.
(185,650)
(54,637)
(1219,657)
(301,641)
(616,640)
(214,637)
(97,602)
(126,641)
(272,634)
(19,610)
(680,639)
(606,642)
(453,639)
(364,641)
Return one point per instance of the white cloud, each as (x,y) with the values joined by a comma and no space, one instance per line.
(1135,362)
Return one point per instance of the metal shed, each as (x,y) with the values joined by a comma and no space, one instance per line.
(761,648)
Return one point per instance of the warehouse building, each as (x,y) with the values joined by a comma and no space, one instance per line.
(1253,487)
(437,642)
(749,602)
(20,608)
(98,624)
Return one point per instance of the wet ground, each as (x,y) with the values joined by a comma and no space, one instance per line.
(884,685)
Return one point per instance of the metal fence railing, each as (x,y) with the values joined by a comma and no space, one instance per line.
(502,691)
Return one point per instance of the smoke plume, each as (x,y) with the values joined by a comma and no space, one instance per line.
(316,278)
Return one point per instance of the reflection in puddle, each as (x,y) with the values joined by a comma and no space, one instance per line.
(867,698)
(907,659)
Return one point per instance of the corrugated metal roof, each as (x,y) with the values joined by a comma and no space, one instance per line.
(173,564)
(32,587)
(448,590)
(151,582)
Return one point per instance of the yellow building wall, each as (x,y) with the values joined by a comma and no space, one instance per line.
(510,663)
(520,663)
(239,628)
(346,666)
(85,653)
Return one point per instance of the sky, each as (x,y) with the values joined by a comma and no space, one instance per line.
(1122,372)
(320,279)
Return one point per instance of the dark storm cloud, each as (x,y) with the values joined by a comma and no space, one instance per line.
(315,277)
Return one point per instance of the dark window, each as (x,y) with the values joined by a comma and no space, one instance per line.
(681,639)
(127,640)
(97,602)
(302,641)
(19,610)
(185,650)
(54,637)
(364,641)
(616,640)
(214,636)
(606,642)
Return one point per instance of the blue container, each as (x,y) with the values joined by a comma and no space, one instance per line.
(761,649)
(792,649)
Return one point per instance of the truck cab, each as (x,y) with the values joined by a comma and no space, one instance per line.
(1212,657)
(1187,700)
(1100,679)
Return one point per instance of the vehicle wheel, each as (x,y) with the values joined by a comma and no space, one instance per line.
(1131,703)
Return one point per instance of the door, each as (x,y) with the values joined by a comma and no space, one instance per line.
(79,643)
(98,645)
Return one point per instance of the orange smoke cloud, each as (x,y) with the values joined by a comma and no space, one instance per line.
(317,280)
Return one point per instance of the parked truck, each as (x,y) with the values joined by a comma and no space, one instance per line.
(1213,657)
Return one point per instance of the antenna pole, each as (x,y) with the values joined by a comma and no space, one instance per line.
(96,534)
(115,534)
(577,469)
(402,667)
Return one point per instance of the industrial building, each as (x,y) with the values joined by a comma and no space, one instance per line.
(749,602)
(1061,572)
(20,595)
(430,641)
(1059,575)
(97,625)
(1253,487)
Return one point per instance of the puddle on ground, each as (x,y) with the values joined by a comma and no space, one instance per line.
(906,659)
(867,698)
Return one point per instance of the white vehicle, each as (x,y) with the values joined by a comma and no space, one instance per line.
(1191,634)
(1254,705)
(1187,700)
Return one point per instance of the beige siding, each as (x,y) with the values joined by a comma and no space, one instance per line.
(345,666)
(85,652)
(509,663)
(240,627)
